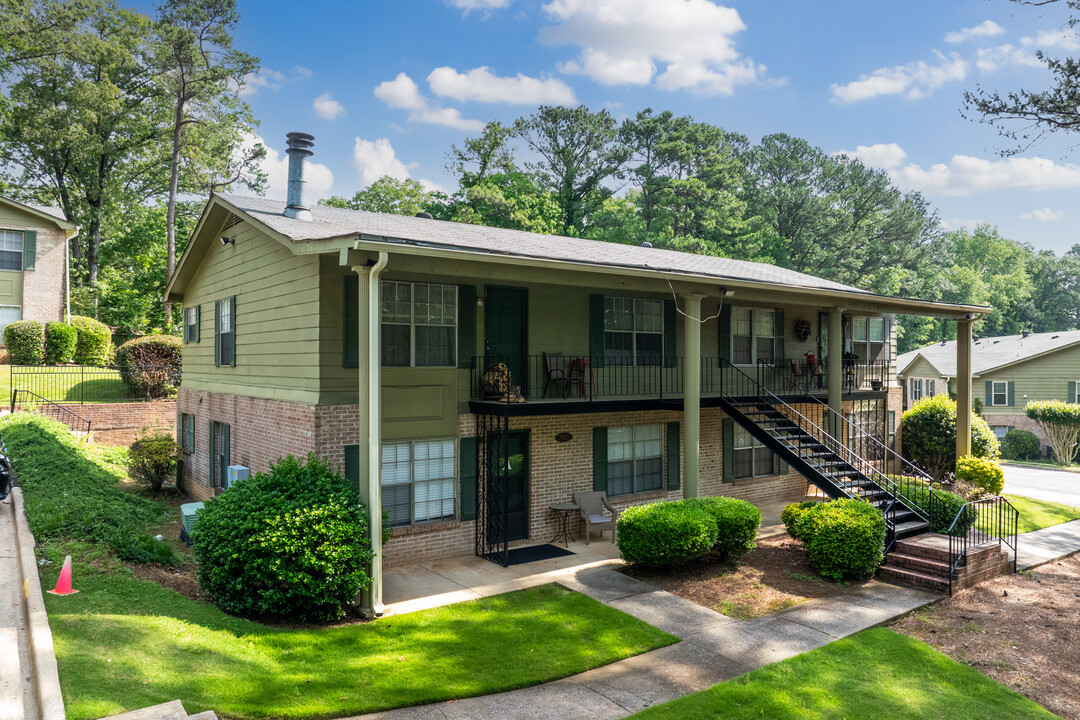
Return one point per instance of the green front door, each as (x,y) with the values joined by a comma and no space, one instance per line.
(505,323)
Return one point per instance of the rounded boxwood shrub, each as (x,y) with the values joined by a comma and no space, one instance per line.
(846,540)
(25,340)
(288,543)
(985,474)
(61,340)
(1020,445)
(665,534)
(737,523)
(150,366)
(929,432)
(152,459)
(94,343)
(791,514)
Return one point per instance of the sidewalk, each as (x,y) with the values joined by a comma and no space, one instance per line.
(17,695)
(713,647)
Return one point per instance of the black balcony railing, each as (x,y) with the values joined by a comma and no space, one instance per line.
(573,377)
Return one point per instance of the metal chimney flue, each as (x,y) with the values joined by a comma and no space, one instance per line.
(299,149)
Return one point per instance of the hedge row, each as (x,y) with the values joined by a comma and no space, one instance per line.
(85,342)
(668,534)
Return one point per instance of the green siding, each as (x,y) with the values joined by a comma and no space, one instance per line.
(1043,378)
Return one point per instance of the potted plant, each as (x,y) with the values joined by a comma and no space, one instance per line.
(850,360)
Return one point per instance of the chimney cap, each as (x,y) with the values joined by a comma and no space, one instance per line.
(300,142)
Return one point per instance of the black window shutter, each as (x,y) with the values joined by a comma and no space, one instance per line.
(1072,392)
(778,337)
(725,332)
(226,444)
(29,249)
(989,392)
(214,480)
(673,447)
(232,331)
(350,341)
(596,330)
(181,427)
(217,332)
(352,465)
(1012,392)
(198,322)
(599,459)
(466,346)
(670,347)
(191,433)
(468,478)
(729,450)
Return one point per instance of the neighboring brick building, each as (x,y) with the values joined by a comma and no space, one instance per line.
(386,344)
(33,262)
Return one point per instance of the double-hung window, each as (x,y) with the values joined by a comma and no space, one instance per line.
(419,324)
(869,336)
(191,324)
(752,459)
(419,479)
(753,335)
(225,335)
(187,433)
(633,331)
(916,389)
(635,459)
(1000,393)
(1074,399)
(11,250)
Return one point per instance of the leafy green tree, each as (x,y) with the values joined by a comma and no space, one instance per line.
(386,195)
(509,200)
(578,151)
(479,157)
(33,30)
(201,71)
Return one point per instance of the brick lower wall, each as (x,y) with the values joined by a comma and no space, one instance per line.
(1021,422)
(120,423)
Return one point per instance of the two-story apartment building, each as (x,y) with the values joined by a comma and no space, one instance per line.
(33,262)
(1009,372)
(467,377)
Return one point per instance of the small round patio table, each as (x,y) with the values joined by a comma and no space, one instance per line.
(564,511)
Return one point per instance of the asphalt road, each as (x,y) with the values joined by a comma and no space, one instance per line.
(1051,485)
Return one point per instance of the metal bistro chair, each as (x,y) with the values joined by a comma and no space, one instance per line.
(555,372)
(592,505)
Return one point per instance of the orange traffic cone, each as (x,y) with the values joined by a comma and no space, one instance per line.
(63,585)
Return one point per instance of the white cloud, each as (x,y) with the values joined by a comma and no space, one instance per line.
(1044,215)
(327,108)
(1051,39)
(881,155)
(960,223)
(1004,56)
(468,5)
(964,175)
(985,29)
(318,177)
(374,159)
(482,85)
(913,80)
(678,44)
(403,93)
(271,79)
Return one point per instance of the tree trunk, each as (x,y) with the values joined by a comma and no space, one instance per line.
(170,215)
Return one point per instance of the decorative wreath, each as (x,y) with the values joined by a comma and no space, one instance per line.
(802,330)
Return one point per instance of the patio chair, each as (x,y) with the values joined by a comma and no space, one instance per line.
(555,372)
(591,505)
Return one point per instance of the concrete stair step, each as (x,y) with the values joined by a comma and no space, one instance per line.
(208,715)
(173,710)
(913,577)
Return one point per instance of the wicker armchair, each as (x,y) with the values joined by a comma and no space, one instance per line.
(592,505)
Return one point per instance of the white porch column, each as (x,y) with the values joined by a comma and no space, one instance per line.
(835,369)
(369,425)
(963,387)
(691,394)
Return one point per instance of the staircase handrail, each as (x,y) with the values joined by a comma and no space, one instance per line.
(907,466)
(965,530)
(891,488)
(60,408)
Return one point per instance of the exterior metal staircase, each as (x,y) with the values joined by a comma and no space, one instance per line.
(812,443)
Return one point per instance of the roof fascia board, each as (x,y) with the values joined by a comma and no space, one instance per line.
(1011,363)
(60,224)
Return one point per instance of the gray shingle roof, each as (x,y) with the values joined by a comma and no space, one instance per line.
(330,222)
(50,210)
(990,353)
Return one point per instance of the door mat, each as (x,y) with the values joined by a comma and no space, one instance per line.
(534,553)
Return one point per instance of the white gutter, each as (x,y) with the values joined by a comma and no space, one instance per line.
(67,275)
(375,432)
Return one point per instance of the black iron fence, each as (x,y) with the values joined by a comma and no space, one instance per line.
(979,523)
(84,384)
(574,377)
(35,403)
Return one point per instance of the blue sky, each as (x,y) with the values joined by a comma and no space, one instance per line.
(386,87)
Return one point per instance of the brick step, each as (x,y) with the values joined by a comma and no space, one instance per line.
(921,564)
(913,577)
(912,546)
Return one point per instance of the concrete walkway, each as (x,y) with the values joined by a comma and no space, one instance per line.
(713,648)
(17,695)
(1053,543)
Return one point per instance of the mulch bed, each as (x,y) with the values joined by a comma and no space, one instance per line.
(1022,630)
(774,576)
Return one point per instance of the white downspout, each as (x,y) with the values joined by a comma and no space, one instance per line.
(375,432)
(67,275)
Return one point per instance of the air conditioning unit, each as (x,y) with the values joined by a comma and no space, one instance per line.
(235,474)
(187,519)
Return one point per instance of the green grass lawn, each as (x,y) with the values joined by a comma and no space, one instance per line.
(1037,514)
(123,643)
(66,383)
(874,674)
